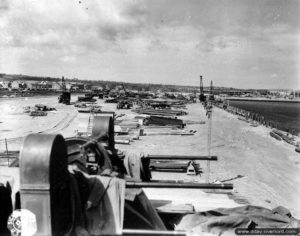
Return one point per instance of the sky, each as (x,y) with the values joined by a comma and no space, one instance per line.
(234,43)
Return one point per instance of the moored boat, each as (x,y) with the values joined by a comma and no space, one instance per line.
(285,136)
(276,136)
(243,119)
(254,124)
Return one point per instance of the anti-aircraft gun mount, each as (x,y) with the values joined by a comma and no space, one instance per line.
(44,176)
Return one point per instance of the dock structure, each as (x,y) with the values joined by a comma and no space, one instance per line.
(164,183)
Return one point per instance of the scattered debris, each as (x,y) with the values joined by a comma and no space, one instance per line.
(42,107)
(164,112)
(233,178)
(38,113)
(159,120)
(289,138)
(88,97)
(124,104)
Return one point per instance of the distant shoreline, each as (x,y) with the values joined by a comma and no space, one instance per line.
(282,114)
(32,93)
(263,100)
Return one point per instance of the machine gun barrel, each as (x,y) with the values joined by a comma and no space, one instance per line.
(182,157)
(163,184)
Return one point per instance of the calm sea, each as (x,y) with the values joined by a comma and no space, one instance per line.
(285,114)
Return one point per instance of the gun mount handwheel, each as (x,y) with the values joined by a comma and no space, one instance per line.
(42,160)
(43,167)
(104,124)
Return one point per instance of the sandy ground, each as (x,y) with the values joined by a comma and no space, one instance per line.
(269,168)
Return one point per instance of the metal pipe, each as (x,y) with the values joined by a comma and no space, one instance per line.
(168,133)
(176,170)
(152,232)
(163,184)
(158,114)
(160,111)
(120,141)
(175,157)
(161,126)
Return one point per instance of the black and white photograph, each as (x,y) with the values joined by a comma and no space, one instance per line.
(149,117)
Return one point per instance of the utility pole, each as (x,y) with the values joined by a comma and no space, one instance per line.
(209,115)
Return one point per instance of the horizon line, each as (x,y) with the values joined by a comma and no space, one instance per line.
(178,85)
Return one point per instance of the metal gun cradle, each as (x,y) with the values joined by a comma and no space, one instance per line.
(45,180)
(177,163)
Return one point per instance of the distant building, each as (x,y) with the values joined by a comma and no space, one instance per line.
(87,86)
(56,86)
(3,85)
(29,84)
(96,88)
(35,86)
(77,86)
(264,92)
(68,86)
(23,85)
(44,85)
(15,84)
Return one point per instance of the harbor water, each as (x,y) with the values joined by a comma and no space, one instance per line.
(284,115)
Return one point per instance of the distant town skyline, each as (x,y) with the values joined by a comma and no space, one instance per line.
(240,44)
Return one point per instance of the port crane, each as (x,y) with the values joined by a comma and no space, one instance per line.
(125,103)
(202,97)
(65,96)
(127,94)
